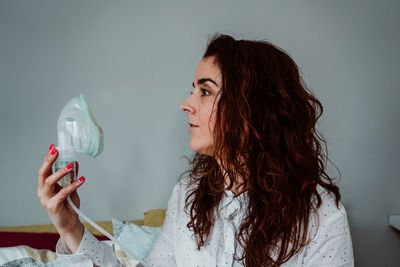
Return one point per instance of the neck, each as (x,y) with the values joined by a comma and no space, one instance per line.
(237,187)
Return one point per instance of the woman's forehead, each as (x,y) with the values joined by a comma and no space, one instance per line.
(207,70)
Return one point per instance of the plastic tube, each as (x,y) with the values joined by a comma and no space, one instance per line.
(66,180)
(79,133)
(104,232)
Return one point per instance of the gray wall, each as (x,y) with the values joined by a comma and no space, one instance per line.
(135,60)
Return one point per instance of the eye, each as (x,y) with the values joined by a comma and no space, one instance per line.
(204,92)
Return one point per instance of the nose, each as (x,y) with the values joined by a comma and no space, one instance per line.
(185,106)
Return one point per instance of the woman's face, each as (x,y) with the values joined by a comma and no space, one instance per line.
(201,106)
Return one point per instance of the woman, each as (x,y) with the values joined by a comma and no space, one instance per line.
(257,192)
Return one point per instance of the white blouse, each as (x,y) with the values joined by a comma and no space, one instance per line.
(176,246)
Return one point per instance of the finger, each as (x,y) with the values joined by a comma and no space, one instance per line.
(66,191)
(76,168)
(45,169)
(57,188)
(75,198)
(45,197)
(51,181)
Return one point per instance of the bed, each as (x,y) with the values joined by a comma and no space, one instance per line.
(35,244)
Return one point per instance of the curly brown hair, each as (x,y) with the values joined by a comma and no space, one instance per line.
(265,134)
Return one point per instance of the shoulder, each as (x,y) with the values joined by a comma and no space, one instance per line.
(182,188)
(179,194)
(328,210)
(329,233)
(328,216)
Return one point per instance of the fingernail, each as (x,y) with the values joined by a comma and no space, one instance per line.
(82,179)
(51,146)
(69,166)
(53,151)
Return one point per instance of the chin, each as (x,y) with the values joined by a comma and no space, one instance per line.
(201,150)
(196,149)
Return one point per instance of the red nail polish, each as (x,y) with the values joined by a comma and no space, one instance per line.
(51,146)
(69,166)
(82,179)
(53,151)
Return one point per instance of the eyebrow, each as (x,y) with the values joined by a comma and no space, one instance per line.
(204,80)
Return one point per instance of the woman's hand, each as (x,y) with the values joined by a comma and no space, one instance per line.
(53,197)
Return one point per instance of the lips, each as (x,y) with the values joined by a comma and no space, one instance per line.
(192,125)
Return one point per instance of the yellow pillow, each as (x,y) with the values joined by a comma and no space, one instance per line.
(154,218)
(43,228)
(50,228)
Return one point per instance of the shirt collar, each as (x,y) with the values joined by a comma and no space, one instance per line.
(229,199)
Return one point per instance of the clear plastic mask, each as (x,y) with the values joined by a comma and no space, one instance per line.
(78,131)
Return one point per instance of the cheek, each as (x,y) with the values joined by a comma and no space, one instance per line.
(211,121)
(208,115)
(207,126)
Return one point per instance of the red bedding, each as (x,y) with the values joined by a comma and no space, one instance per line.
(34,240)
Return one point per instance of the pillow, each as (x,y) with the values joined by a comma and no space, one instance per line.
(139,239)
(154,217)
(27,256)
(49,228)
(24,256)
